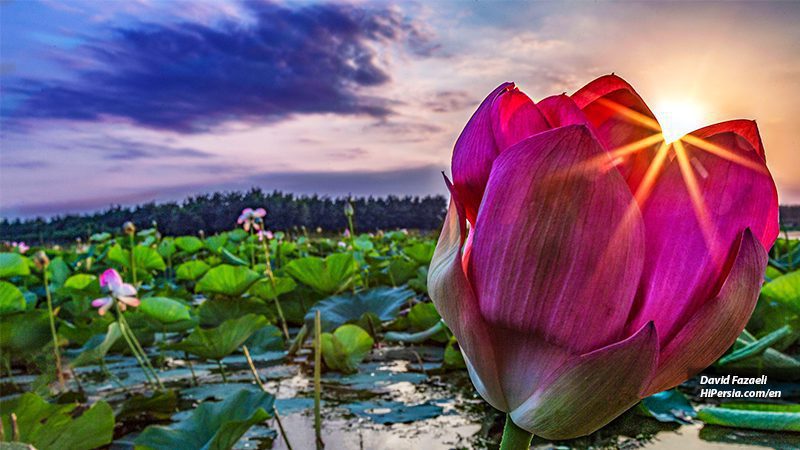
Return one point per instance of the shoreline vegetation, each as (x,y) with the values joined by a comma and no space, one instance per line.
(211,213)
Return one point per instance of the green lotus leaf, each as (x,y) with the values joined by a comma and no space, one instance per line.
(217,343)
(345,348)
(13,264)
(191,270)
(227,280)
(328,276)
(11,299)
(189,244)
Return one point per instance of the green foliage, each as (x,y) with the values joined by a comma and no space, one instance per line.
(49,426)
(24,332)
(374,306)
(12,265)
(217,343)
(11,299)
(754,416)
(227,280)
(213,312)
(345,348)
(164,310)
(189,244)
(191,270)
(668,406)
(327,276)
(96,348)
(214,426)
(265,290)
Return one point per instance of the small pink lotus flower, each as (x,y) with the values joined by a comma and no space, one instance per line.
(251,218)
(602,264)
(124,293)
(262,234)
(347,233)
(21,247)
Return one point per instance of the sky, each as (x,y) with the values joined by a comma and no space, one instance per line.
(122,102)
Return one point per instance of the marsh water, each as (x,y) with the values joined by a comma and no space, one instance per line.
(399,399)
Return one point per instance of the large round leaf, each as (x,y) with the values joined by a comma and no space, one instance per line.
(268,289)
(12,265)
(345,348)
(217,343)
(23,333)
(11,299)
(785,290)
(189,244)
(212,425)
(164,310)
(382,303)
(191,270)
(331,275)
(227,280)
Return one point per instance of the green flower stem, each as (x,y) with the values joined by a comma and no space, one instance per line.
(317,376)
(222,371)
(137,347)
(271,277)
(56,351)
(135,352)
(514,437)
(133,260)
(264,389)
(191,368)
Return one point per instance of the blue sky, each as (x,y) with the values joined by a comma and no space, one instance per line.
(131,101)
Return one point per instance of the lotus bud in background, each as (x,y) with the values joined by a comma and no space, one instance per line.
(41,260)
(129,228)
(601,264)
(348,209)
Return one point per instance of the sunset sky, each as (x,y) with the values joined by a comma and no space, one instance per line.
(131,101)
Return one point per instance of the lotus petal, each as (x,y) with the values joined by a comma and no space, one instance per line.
(111,278)
(561,110)
(473,155)
(514,118)
(554,241)
(717,323)
(454,299)
(589,391)
(715,187)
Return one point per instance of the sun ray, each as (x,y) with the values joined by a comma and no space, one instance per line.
(698,202)
(651,175)
(632,116)
(723,153)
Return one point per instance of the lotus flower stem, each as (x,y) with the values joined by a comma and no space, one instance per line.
(222,371)
(271,276)
(56,352)
(317,375)
(514,437)
(191,368)
(133,259)
(264,388)
(298,340)
(136,347)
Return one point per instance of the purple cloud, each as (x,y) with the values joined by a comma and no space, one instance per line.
(191,77)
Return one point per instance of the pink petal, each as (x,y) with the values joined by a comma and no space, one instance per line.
(260,212)
(101,301)
(514,118)
(125,290)
(104,309)
(473,155)
(558,249)
(247,211)
(455,300)
(591,390)
(717,323)
(690,238)
(110,278)
(561,110)
(130,301)
(747,129)
(621,119)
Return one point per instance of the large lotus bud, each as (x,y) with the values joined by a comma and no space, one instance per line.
(602,264)
(129,228)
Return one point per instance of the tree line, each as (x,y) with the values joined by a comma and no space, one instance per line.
(218,212)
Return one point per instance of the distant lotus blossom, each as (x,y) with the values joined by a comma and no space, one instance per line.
(342,244)
(265,234)
(347,233)
(122,292)
(20,246)
(251,218)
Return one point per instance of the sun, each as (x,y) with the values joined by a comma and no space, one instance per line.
(679,117)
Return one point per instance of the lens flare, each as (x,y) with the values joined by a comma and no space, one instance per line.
(679,117)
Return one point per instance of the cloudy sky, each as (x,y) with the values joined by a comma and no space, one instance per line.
(131,101)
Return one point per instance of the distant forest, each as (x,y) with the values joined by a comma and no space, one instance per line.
(217,212)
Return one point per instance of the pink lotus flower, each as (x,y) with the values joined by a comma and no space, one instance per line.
(601,264)
(251,218)
(124,293)
(262,234)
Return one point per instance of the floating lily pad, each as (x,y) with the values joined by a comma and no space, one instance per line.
(388,412)
(211,425)
(382,303)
